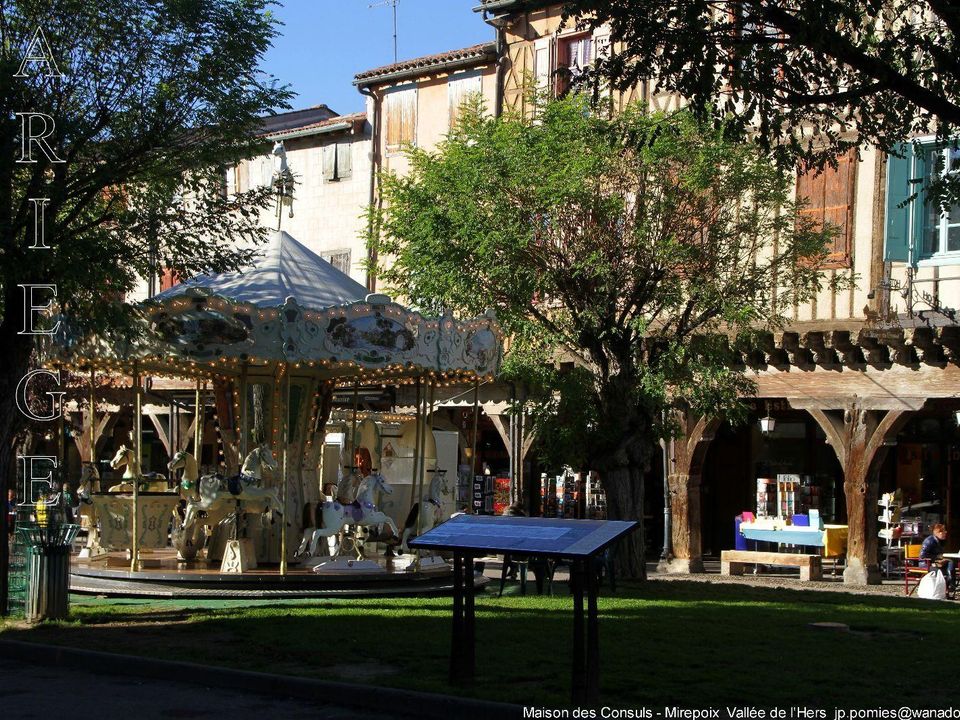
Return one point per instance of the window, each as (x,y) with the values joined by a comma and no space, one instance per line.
(461,88)
(574,55)
(941,228)
(917,227)
(401,112)
(827,198)
(337,161)
(340,259)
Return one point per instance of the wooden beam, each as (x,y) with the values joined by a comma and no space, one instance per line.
(161,430)
(502,429)
(860,438)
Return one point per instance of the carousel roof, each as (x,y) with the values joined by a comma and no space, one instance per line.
(288,269)
(292,307)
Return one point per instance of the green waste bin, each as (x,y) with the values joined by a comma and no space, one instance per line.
(47,545)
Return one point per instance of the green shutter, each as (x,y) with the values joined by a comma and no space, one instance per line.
(896,245)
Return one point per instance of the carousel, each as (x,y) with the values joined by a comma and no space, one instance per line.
(298,475)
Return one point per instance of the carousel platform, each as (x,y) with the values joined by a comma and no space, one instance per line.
(168,578)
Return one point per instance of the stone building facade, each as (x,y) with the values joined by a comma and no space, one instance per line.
(863,382)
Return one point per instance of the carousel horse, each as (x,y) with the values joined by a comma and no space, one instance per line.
(215,490)
(89,484)
(151,482)
(433,506)
(190,477)
(332,516)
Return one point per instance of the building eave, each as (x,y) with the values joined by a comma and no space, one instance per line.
(420,67)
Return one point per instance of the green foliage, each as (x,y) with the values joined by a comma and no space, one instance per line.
(157,98)
(616,253)
(808,78)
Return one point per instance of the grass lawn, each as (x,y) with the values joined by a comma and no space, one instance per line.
(662,644)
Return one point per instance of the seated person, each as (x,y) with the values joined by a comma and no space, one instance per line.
(932,550)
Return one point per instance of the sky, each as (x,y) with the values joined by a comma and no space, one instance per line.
(324,43)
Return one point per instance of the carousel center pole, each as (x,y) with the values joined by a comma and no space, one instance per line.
(427,431)
(243,413)
(137,439)
(197,425)
(473,447)
(286,445)
(353,430)
(416,448)
(421,455)
(93,417)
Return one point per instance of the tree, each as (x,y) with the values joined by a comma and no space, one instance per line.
(625,245)
(852,72)
(151,100)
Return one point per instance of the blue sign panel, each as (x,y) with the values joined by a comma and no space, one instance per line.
(524,536)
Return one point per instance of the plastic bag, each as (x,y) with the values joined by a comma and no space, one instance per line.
(932,586)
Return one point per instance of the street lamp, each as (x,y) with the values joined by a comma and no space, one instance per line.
(767,424)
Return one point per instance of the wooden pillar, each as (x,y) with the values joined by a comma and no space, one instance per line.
(685,463)
(860,438)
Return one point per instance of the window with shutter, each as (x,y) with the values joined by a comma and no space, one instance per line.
(340,259)
(917,228)
(461,88)
(401,120)
(574,55)
(337,161)
(827,198)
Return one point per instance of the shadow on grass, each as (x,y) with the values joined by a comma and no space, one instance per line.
(662,643)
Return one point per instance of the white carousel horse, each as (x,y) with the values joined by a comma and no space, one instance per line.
(215,490)
(89,484)
(332,516)
(126,457)
(433,507)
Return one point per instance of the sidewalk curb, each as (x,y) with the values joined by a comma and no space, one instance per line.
(365,697)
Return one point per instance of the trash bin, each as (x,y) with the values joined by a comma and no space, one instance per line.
(47,545)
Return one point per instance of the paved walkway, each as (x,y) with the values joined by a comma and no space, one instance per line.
(29,691)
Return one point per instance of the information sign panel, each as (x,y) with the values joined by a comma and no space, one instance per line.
(549,537)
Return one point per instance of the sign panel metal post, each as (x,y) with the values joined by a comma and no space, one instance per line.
(580,541)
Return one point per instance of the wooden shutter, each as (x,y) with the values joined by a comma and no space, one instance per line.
(344,160)
(393,121)
(168,278)
(329,162)
(460,89)
(828,197)
(266,171)
(408,129)
(543,63)
(896,242)
(401,108)
(241,175)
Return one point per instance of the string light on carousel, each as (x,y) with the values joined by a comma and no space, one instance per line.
(283,350)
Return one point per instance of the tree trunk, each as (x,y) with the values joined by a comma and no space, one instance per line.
(14,364)
(624,490)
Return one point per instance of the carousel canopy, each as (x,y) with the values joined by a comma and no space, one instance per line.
(292,307)
(288,269)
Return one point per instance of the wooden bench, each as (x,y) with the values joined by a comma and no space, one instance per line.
(732,562)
